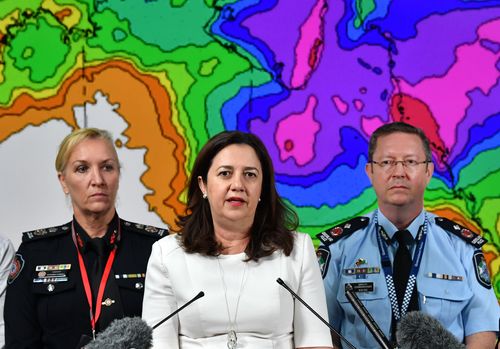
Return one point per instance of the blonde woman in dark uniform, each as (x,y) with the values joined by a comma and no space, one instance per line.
(70,281)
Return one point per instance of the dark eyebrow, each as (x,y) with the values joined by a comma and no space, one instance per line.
(232,168)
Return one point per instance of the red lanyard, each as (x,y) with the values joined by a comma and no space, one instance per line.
(94,315)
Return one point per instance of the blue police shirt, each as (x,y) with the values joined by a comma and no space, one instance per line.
(452,286)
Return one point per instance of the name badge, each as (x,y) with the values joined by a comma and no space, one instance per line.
(362,286)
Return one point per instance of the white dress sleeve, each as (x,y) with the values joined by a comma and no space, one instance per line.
(7,253)
(309,331)
(159,301)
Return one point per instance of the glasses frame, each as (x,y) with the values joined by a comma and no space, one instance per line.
(394,163)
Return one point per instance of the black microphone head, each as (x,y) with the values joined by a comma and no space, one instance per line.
(280,281)
(200,294)
(124,333)
(421,331)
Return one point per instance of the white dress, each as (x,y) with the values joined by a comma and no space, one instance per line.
(267,316)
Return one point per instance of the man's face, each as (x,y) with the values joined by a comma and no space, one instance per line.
(399,186)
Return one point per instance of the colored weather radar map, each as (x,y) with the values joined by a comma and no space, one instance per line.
(312,78)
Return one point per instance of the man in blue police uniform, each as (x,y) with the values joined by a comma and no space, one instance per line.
(401,258)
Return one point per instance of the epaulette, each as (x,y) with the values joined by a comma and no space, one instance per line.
(46,232)
(146,229)
(461,231)
(342,230)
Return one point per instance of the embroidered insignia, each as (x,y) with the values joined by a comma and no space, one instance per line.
(360,261)
(481,269)
(460,231)
(342,230)
(41,232)
(336,231)
(466,233)
(45,233)
(145,229)
(15,268)
(323,255)
(151,229)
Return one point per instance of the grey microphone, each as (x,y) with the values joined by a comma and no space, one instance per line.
(125,333)
(296,296)
(417,330)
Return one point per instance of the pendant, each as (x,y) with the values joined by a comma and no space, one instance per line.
(232,340)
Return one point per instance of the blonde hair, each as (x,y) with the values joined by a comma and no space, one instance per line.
(69,143)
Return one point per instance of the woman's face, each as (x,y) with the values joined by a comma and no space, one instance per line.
(233,187)
(91,177)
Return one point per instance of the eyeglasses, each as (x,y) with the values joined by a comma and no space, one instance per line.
(388,165)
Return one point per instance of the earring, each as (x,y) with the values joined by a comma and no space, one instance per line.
(259,199)
(205,195)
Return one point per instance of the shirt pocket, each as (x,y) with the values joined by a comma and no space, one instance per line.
(55,305)
(131,293)
(443,299)
(376,302)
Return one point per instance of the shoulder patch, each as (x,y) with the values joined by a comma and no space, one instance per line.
(323,255)
(481,269)
(46,232)
(145,229)
(461,231)
(342,230)
(15,268)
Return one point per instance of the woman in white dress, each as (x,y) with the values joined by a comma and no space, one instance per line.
(237,237)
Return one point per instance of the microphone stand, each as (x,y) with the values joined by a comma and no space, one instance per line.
(282,283)
(199,295)
(367,318)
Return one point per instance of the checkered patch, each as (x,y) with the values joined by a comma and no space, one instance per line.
(408,292)
(392,295)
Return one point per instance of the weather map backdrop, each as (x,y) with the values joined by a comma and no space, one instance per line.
(312,78)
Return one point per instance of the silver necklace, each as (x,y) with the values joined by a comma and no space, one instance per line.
(232,338)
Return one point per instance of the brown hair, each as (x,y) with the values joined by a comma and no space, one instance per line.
(69,143)
(395,127)
(273,222)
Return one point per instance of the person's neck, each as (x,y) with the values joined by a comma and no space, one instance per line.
(94,224)
(401,217)
(232,241)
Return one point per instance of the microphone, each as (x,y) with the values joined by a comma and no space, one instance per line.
(131,332)
(368,320)
(282,283)
(198,296)
(125,333)
(421,331)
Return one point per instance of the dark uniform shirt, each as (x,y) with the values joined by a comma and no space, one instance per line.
(46,305)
